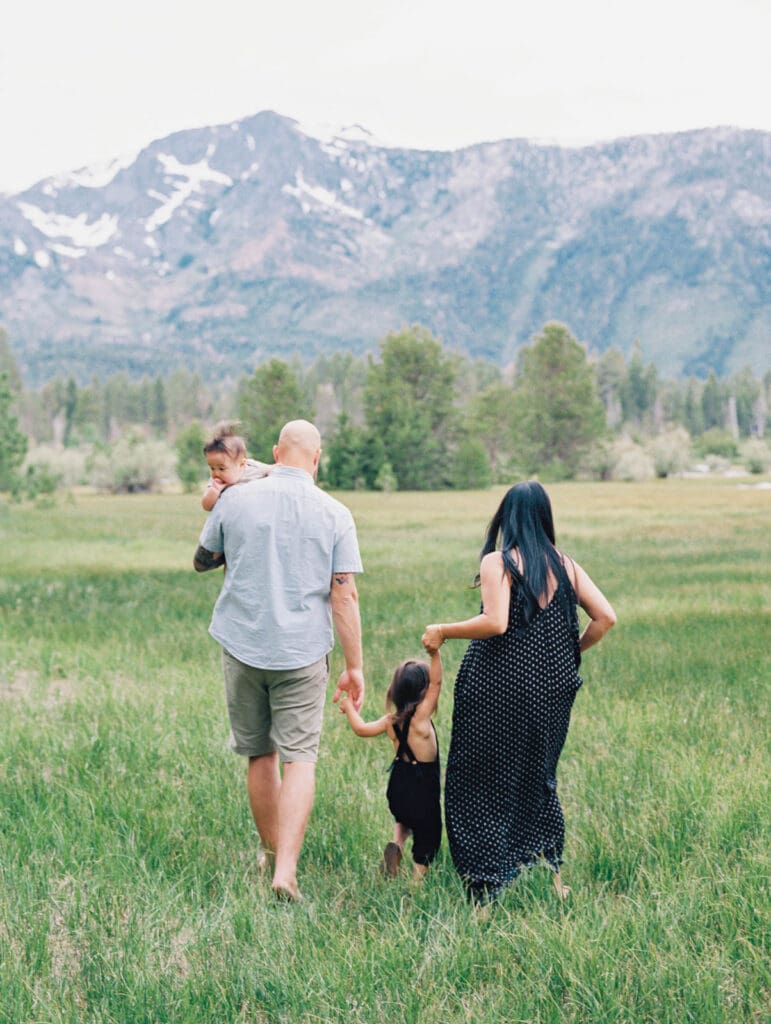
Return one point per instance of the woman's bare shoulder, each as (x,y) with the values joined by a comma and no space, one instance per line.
(572,568)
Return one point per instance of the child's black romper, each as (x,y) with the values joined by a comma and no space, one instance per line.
(413,797)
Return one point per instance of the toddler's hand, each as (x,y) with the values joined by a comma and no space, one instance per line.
(432,639)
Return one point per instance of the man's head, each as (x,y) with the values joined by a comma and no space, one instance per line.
(299,446)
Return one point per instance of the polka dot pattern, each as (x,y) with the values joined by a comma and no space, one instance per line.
(513,698)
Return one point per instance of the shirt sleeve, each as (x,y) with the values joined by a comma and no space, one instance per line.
(346,557)
(211,536)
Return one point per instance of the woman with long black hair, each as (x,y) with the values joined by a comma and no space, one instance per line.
(513,696)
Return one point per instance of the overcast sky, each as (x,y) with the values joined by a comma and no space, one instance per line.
(86,80)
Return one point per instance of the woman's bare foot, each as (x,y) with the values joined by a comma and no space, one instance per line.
(563,891)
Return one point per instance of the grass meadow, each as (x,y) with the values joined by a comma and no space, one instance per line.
(128,889)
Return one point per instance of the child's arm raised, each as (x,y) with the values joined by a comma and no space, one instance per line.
(359,726)
(427,706)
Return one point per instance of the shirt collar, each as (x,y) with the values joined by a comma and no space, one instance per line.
(294,471)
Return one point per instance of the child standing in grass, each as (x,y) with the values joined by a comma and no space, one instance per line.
(225,453)
(413,788)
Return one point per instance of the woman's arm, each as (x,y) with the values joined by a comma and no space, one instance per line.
(427,706)
(494,617)
(596,606)
(359,726)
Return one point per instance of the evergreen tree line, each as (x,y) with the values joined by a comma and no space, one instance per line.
(415,417)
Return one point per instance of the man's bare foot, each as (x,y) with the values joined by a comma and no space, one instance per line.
(287,893)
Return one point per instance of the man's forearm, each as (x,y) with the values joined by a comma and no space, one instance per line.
(345,614)
(204,560)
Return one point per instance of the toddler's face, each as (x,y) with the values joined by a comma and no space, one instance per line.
(225,468)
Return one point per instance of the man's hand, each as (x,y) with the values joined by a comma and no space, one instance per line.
(351,681)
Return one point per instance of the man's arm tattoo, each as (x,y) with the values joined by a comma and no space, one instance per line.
(341,578)
(204,560)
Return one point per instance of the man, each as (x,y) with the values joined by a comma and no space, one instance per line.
(291,554)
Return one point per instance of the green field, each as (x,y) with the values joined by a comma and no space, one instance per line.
(128,889)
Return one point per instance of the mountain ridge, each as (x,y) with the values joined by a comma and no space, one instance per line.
(222,246)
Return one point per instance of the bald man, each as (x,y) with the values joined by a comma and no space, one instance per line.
(292,557)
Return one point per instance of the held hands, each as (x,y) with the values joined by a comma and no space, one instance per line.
(432,639)
(351,682)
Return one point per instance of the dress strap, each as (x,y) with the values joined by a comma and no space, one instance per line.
(404,751)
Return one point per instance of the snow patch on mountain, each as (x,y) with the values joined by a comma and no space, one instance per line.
(76,229)
(96,175)
(194,177)
(67,250)
(303,191)
(336,137)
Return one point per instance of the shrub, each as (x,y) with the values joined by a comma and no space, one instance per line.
(35,482)
(598,462)
(191,464)
(470,467)
(133,464)
(67,465)
(757,456)
(631,462)
(386,478)
(716,442)
(670,451)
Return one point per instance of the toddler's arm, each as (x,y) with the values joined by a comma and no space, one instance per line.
(359,726)
(211,494)
(427,706)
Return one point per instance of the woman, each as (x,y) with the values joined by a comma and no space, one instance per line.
(513,696)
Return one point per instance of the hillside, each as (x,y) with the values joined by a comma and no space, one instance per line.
(221,246)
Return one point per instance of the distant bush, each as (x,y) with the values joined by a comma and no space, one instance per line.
(66,465)
(756,455)
(598,462)
(191,464)
(717,463)
(34,482)
(630,462)
(470,467)
(670,451)
(133,464)
(386,478)
(716,442)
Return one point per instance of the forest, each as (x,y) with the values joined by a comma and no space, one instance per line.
(414,416)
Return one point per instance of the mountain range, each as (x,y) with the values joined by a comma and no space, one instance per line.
(222,246)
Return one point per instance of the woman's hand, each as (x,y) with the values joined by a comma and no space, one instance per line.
(433,638)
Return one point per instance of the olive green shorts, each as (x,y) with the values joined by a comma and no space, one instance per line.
(275,709)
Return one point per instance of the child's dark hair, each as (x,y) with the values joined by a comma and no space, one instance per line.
(408,688)
(225,439)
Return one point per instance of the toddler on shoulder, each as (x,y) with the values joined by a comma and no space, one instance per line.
(225,452)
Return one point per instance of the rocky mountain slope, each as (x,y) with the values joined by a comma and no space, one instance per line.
(219,247)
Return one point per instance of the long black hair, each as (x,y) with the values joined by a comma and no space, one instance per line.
(408,688)
(524,521)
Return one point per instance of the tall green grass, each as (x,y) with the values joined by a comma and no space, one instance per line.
(128,888)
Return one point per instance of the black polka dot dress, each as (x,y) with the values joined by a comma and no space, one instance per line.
(513,698)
